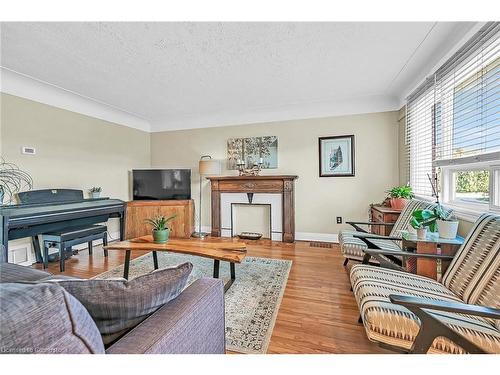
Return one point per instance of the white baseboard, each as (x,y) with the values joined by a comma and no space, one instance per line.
(319,237)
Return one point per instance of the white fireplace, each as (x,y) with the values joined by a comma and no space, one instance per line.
(257,212)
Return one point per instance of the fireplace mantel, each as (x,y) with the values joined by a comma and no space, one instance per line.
(282,184)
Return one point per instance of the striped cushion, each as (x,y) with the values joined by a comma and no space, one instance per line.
(396,326)
(404,218)
(352,247)
(474,273)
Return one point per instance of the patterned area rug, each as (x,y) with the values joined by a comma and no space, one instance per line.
(252,302)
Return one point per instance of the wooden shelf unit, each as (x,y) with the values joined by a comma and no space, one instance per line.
(137,211)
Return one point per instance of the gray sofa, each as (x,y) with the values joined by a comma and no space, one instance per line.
(50,320)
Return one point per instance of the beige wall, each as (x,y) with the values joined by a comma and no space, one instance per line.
(73,150)
(404,178)
(318,200)
(77,151)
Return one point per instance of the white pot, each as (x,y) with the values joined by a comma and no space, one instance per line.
(95,194)
(411,230)
(422,233)
(447,229)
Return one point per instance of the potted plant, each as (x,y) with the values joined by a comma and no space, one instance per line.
(447,225)
(95,191)
(398,196)
(421,220)
(12,181)
(161,231)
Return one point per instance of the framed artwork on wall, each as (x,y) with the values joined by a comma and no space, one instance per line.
(252,151)
(336,156)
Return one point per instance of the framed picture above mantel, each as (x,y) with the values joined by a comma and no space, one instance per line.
(336,156)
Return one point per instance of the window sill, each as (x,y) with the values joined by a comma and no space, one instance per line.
(462,212)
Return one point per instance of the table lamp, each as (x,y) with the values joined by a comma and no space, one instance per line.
(207,166)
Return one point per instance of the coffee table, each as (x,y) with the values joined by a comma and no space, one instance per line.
(216,248)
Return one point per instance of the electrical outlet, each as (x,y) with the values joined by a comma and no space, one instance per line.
(339,219)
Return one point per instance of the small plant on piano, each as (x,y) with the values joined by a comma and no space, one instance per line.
(161,231)
(95,191)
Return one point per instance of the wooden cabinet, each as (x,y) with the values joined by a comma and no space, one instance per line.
(137,211)
(382,214)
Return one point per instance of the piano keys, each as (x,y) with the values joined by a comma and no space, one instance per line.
(33,219)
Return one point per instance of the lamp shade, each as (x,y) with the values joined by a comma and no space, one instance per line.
(209,166)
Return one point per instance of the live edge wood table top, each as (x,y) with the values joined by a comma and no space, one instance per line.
(220,249)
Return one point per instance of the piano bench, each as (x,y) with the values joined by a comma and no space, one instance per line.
(65,239)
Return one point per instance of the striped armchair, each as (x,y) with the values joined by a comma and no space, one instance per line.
(353,247)
(460,314)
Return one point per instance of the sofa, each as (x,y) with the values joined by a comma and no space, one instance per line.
(50,320)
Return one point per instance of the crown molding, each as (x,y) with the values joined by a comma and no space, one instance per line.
(297,111)
(17,84)
(24,86)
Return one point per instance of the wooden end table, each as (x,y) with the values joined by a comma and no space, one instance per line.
(432,244)
(219,249)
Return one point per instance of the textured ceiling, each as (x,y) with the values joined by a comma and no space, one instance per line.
(180,75)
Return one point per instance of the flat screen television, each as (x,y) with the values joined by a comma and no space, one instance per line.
(161,184)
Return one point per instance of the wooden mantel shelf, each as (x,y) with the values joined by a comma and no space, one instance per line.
(282,184)
(278,177)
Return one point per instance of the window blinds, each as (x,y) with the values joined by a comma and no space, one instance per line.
(453,117)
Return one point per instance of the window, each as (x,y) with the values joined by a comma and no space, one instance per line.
(453,127)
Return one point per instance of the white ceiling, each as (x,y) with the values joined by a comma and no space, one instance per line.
(191,75)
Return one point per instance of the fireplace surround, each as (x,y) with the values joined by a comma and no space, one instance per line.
(256,186)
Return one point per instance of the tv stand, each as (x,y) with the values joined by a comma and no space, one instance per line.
(138,211)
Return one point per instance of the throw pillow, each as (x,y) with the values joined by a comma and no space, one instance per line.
(118,305)
(44,318)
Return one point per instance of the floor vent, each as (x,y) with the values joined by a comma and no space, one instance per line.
(326,245)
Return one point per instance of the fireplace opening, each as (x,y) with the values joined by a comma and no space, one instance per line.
(251,218)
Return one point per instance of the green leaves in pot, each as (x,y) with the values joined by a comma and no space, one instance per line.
(403,191)
(160,222)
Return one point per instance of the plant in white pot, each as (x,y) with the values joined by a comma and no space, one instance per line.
(421,220)
(161,231)
(399,195)
(95,191)
(447,225)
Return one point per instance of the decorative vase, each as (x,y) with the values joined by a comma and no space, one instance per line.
(422,233)
(161,236)
(398,203)
(447,229)
(95,194)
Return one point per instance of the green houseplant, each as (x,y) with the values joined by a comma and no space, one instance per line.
(398,196)
(437,219)
(446,224)
(161,231)
(95,191)
(421,220)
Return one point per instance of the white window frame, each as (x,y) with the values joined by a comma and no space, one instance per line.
(470,211)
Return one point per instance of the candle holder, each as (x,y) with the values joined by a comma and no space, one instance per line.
(253,171)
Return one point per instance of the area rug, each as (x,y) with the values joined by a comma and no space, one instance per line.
(251,304)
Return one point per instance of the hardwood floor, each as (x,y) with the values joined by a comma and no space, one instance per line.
(318,313)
